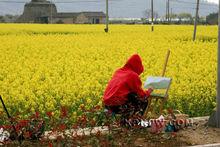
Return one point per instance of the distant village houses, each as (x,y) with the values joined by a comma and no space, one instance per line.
(43,11)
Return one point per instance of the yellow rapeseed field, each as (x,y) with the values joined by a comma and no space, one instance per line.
(45,66)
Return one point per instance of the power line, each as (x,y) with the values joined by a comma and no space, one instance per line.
(207,4)
(193,3)
(193,8)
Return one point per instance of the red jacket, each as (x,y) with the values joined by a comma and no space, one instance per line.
(124,81)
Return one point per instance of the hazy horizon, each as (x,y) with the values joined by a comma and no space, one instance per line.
(117,8)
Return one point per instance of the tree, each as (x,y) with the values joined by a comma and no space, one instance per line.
(9,18)
(212,19)
(185,16)
(172,16)
(147,14)
(2,20)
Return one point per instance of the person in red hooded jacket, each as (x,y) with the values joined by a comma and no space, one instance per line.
(124,91)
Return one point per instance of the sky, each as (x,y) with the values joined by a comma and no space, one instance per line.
(136,8)
(118,8)
(214,1)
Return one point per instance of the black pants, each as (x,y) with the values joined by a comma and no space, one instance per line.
(133,106)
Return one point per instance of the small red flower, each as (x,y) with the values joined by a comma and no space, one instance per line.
(49,114)
(62,127)
(83,119)
(5,127)
(37,114)
(23,123)
(50,144)
(18,127)
(63,112)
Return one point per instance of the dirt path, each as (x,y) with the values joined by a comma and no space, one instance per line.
(200,134)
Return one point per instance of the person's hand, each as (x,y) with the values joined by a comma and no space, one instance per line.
(151,89)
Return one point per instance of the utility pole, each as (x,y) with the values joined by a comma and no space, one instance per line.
(51,11)
(218,88)
(107,17)
(214,119)
(168,10)
(171,14)
(152,15)
(196,19)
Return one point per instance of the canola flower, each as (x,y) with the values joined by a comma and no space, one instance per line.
(44,67)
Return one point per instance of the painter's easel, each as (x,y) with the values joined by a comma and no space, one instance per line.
(162,98)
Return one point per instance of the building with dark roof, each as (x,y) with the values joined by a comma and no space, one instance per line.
(80,18)
(43,11)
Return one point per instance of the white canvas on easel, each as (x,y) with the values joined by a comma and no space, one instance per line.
(157,82)
(161,83)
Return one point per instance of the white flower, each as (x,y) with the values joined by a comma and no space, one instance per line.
(4,136)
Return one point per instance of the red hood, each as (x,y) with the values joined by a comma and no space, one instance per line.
(135,63)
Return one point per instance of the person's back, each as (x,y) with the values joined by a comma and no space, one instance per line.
(118,88)
(125,82)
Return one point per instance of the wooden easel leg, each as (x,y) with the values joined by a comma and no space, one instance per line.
(148,107)
(162,104)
